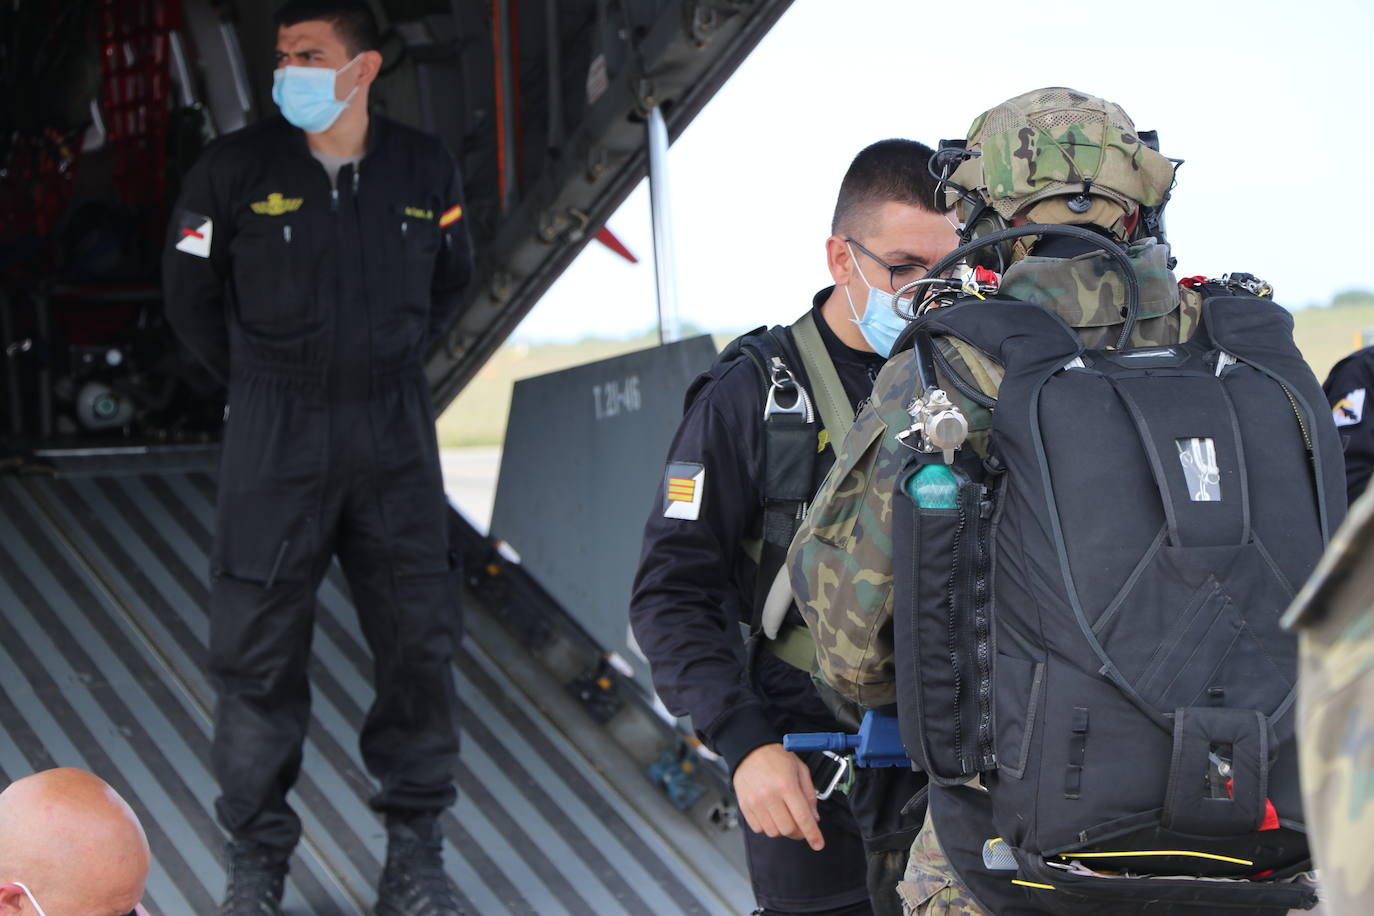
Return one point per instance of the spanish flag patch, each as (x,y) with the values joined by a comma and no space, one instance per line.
(683,483)
(451,216)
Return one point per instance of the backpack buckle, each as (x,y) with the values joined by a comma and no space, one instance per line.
(782,379)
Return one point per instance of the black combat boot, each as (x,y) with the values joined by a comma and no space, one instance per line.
(413,882)
(256,879)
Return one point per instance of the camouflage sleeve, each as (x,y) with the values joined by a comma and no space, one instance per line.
(840,562)
(1335,686)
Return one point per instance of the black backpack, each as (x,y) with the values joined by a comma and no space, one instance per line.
(1095,628)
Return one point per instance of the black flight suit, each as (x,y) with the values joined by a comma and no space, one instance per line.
(1347,387)
(316,307)
(693,588)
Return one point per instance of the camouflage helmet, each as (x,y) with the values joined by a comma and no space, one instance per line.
(1057,155)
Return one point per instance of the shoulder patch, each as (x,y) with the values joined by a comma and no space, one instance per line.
(450,216)
(193,234)
(683,484)
(1349,410)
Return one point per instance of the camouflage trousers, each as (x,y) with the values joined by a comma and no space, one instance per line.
(930,886)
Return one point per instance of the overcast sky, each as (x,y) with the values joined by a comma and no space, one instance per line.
(1269,103)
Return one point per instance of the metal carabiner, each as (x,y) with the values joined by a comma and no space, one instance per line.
(782,378)
(842,766)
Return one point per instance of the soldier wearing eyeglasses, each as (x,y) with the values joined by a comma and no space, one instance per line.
(702,563)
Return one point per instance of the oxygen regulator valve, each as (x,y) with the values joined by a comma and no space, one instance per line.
(939,421)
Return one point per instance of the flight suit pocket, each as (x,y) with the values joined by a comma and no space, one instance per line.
(418,234)
(264,254)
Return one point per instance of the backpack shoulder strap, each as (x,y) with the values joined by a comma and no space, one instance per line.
(743,345)
(787,419)
(1011,332)
(1258,331)
(826,388)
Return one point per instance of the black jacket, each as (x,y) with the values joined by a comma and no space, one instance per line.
(269,268)
(1347,388)
(694,583)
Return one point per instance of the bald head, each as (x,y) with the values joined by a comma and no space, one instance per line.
(73,842)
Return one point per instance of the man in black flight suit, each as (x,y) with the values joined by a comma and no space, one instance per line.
(1346,388)
(696,582)
(312,260)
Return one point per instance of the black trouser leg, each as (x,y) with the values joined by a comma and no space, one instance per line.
(393,546)
(259,652)
(269,557)
(409,739)
(866,834)
(786,875)
(877,800)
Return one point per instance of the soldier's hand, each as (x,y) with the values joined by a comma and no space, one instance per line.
(777,797)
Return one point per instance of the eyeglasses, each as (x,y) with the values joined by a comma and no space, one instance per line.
(39,907)
(898,275)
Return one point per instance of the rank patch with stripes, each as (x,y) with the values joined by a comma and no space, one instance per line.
(683,483)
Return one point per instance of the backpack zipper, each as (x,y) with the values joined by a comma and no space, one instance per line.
(983,629)
(1297,412)
(953,634)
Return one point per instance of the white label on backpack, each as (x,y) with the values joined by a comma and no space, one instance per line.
(1349,410)
(683,484)
(1199,459)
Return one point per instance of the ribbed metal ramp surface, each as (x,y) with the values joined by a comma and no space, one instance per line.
(103,626)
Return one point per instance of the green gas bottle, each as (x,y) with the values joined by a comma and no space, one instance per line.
(934,487)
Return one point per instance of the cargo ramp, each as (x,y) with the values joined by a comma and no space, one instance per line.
(104,585)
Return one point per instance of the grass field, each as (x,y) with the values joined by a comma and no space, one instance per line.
(478,415)
(1327,333)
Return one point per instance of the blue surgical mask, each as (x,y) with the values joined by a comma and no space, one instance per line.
(305,96)
(880,325)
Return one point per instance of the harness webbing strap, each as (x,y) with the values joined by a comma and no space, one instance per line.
(826,388)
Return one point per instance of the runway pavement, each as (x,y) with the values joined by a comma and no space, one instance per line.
(470,480)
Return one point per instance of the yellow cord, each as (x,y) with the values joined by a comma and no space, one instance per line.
(1046,887)
(1155,852)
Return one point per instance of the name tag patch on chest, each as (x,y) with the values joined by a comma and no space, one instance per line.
(193,234)
(1349,410)
(683,484)
(277,205)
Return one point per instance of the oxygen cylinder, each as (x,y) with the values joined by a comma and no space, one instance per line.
(934,487)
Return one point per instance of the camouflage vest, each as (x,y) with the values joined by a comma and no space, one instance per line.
(1334,613)
(840,561)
